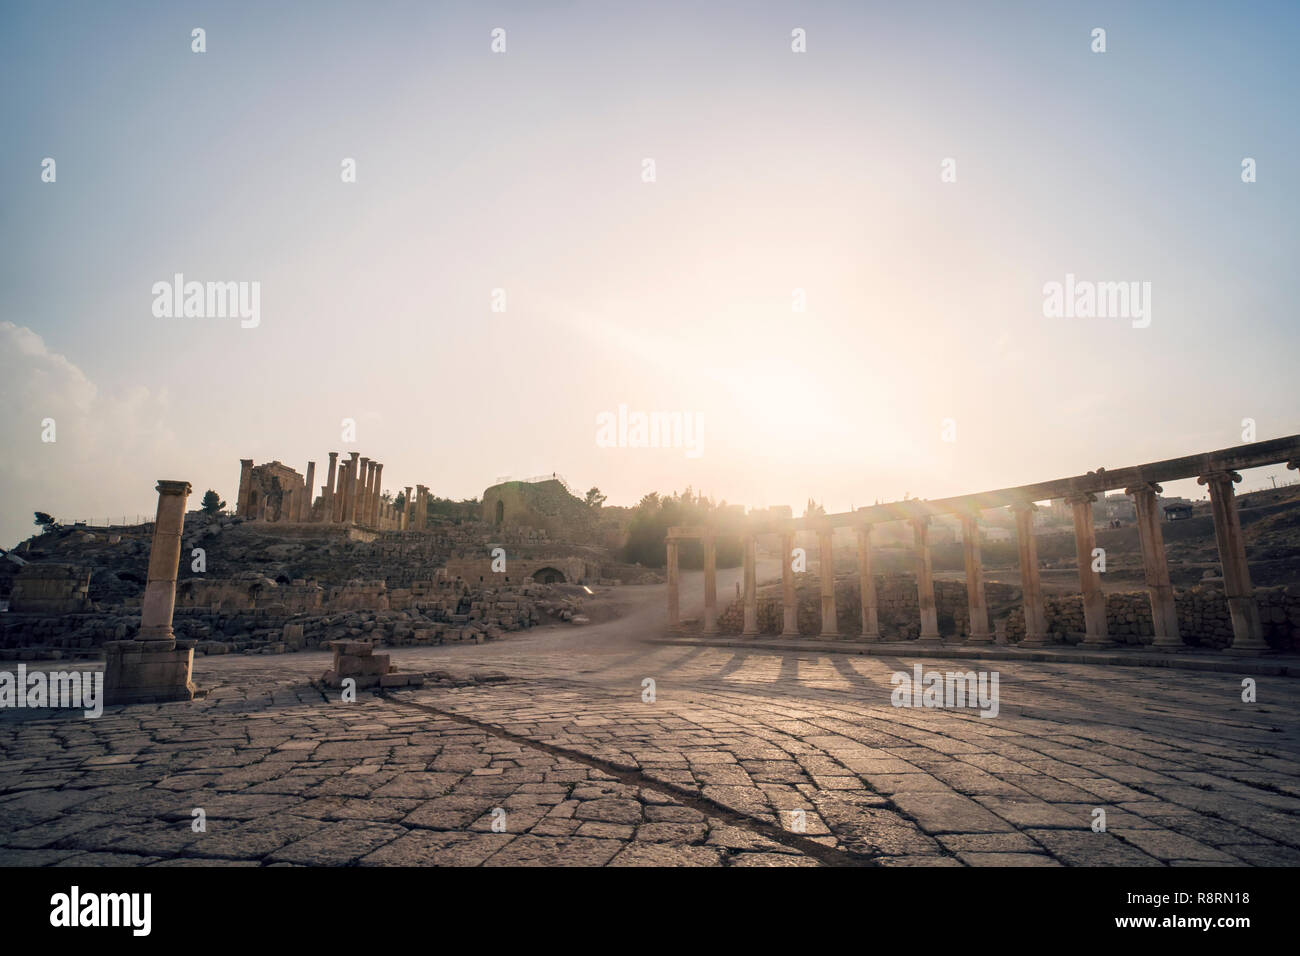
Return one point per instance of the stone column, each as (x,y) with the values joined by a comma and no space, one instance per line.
(245,486)
(289,505)
(328,516)
(304,513)
(789,603)
(925,581)
(341,492)
(826,571)
(164,562)
(1247,631)
(155,667)
(674,609)
(867,587)
(750,544)
(975,601)
(355,465)
(1035,616)
(408,509)
(363,491)
(379,494)
(710,585)
(1164,614)
(1094,599)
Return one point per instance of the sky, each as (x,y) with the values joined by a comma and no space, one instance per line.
(525,171)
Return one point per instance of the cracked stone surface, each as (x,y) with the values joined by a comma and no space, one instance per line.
(746,757)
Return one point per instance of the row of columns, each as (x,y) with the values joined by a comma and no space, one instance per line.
(1247,630)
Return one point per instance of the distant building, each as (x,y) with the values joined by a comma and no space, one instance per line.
(1178,511)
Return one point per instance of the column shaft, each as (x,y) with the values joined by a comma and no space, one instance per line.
(674,607)
(750,545)
(710,586)
(826,571)
(1094,599)
(164,563)
(867,587)
(1030,588)
(1155,565)
(925,581)
(975,600)
(1247,631)
(789,603)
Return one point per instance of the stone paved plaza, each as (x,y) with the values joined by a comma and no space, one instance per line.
(540,750)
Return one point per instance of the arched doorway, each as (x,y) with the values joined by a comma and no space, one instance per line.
(549,576)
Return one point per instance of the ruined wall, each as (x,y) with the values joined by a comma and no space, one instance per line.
(50,589)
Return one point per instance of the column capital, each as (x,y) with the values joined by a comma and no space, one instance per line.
(1144,488)
(166,487)
(246,462)
(1019,506)
(1223,477)
(1080,498)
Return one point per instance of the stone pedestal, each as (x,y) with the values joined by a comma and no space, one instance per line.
(136,672)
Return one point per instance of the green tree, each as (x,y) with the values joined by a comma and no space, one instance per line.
(212,503)
(594,498)
(45,522)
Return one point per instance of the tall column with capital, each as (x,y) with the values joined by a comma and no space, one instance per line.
(710,585)
(408,509)
(355,466)
(308,496)
(867,587)
(925,581)
(365,476)
(750,545)
(674,608)
(155,667)
(164,563)
(328,516)
(826,571)
(1155,565)
(789,602)
(378,494)
(245,487)
(1030,588)
(975,600)
(1247,631)
(1096,633)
